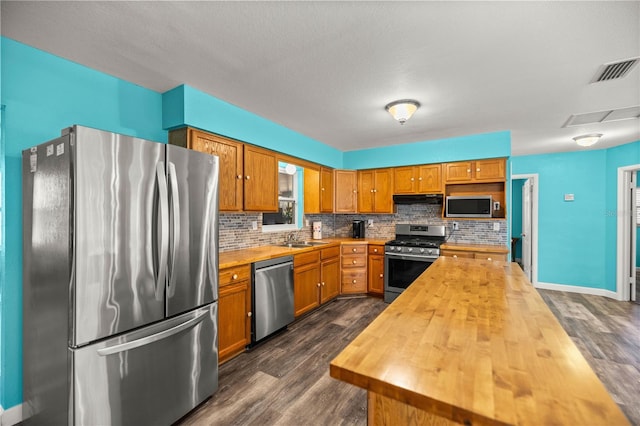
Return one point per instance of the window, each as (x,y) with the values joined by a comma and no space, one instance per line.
(289,212)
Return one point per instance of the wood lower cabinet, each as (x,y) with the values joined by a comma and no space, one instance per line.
(316,278)
(375,269)
(469,254)
(424,179)
(234,311)
(375,191)
(345,191)
(354,268)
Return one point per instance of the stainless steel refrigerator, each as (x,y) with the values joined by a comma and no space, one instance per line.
(120,280)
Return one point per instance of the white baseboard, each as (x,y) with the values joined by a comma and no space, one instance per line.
(11,416)
(577,289)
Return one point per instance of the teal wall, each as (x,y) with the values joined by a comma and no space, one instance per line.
(185,105)
(637,232)
(44,94)
(516,213)
(577,240)
(486,145)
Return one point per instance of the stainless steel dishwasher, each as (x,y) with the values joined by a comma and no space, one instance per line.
(272,296)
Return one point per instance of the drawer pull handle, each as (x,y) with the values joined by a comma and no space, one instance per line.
(248,314)
(234,277)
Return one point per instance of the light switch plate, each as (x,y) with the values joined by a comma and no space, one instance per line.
(254,225)
(370,223)
(496,226)
(569,197)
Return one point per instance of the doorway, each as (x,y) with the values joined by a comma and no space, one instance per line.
(627,215)
(524,223)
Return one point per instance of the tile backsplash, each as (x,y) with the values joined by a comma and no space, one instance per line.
(236,232)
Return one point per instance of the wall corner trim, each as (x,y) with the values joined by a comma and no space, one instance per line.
(578,289)
(11,416)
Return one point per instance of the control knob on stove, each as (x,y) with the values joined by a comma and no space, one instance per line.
(392,248)
(410,249)
(422,250)
(430,251)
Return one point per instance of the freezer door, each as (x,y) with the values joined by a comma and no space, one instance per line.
(152,376)
(121,234)
(193,224)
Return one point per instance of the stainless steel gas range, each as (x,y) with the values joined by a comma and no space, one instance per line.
(415,248)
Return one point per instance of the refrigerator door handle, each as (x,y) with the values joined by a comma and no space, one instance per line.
(162,231)
(175,228)
(122,347)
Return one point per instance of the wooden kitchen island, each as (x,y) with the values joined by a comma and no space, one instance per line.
(472,342)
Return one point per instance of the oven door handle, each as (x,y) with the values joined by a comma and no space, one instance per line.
(412,256)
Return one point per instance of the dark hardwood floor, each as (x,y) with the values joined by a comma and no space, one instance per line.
(286,380)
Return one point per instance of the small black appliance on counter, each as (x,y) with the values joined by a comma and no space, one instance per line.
(358,229)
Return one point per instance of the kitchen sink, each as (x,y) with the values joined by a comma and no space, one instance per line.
(302,244)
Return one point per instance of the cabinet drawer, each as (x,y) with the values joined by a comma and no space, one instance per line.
(458,253)
(354,281)
(354,249)
(305,258)
(376,249)
(491,256)
(330,252)
(234,275)
(354,261)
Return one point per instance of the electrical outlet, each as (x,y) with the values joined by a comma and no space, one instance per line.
(496,226)
(254,225)
(370,223)
(455,226)
(306,222)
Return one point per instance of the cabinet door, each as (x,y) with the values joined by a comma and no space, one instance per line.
(311,190)
(326,190)
(260,180)
(306,283)
(329,279)
(457,172)
(230,172)
(366,186)
(404,181)
(429,179)
(383,191)
(375,274)
(234,328)
(345,190)
(490,170)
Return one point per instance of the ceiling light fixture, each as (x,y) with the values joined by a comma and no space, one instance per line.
(588,140)
(402,110)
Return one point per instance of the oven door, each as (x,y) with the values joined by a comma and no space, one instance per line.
(403,269)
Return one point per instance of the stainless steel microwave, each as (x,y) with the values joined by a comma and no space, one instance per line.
(468,206)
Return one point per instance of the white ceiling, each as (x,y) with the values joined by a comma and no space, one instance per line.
(327,69)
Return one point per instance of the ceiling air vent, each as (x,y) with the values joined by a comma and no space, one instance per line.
(614,70)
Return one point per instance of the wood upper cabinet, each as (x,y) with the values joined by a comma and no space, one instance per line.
(424,179)
(230,165)
(260,179)
(492,170)
(375,191)
(375,269)
(318,190)
(345,191)
(234,311)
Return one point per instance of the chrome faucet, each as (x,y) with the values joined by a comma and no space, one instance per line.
(291,237)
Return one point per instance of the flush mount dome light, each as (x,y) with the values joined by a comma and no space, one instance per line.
(402,110)
(588,140)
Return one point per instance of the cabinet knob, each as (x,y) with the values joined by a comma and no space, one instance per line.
(371,190)
(375,190)
(478,169)
(412,179)
(468,170)
(354,250)
(381,275)
(321,189)
(234,277)
(318,284)
(488,258)
(322,284)
(455,255)
(248,177)
(375,250)
(354,262)
(239,177)
(248,314)
(354,281)
(419,178)
(354,191)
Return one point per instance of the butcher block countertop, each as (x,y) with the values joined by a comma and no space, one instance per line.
(471,341)
(229,259)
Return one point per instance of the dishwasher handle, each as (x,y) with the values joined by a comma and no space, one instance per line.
(278,266)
